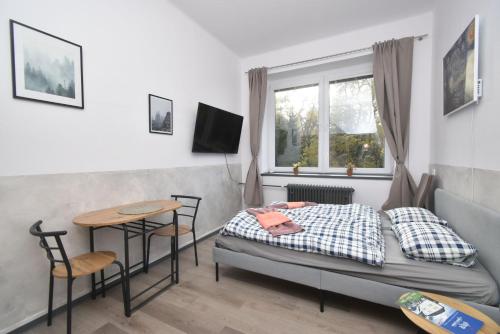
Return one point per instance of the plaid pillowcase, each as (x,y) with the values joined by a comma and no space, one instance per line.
(412,214)
(434,243)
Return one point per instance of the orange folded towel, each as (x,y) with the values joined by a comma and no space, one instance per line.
(273,218)
(290,205)
(274,222)
(295,205)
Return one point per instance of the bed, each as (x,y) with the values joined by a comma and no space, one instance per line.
(477,285)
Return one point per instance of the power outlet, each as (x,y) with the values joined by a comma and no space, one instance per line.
(433,171)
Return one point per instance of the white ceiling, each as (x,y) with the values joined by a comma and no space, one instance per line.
(251,27)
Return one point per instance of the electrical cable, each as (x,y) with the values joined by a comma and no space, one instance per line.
(229,171)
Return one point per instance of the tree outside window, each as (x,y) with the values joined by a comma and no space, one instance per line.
(356,133)
(296,126)
(352,125)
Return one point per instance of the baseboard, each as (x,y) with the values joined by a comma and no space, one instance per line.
(23,326)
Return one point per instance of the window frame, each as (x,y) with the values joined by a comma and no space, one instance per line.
(388,161)
(296,82)
(322,79)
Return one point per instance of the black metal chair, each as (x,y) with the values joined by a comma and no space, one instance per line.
(71,269)
(169,231)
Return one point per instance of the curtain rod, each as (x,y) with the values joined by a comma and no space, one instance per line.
(418,38)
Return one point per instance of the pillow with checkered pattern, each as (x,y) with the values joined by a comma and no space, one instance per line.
(434,243)
(412,214)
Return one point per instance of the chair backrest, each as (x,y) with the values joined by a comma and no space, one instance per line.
(36,230)
(193,208)
(423,190)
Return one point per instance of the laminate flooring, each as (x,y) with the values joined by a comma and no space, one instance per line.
(241,302)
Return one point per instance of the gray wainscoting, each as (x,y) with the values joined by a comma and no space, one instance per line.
(57,198)
(478,185)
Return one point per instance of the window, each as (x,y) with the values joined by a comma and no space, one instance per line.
(355,129)
(296,126)
(326,121)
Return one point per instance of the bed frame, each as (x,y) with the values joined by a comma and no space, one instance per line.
(476,224)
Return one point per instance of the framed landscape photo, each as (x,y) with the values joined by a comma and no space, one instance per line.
(161,115)
(45,68)
(461,70)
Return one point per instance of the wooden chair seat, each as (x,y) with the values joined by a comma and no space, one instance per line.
(81,265)
(86,264)
(169,231)
(191,206)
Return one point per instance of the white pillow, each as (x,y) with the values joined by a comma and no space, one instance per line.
(413,214)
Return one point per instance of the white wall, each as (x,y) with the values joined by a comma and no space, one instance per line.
(369,192)
(130,49)
(104,155)
(468,138)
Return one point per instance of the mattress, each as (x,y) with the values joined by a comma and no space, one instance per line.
(472,284)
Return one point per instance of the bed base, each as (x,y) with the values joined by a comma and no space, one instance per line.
(475,223)
(323,280)
(248,262)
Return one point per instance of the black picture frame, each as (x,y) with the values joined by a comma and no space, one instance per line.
(161,124)
(59,95)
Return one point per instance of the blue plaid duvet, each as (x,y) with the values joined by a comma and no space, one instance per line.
(350,231)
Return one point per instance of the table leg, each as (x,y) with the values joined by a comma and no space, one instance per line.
(176,226)
(144,264)
(172,254)
(91,232)
(127,271)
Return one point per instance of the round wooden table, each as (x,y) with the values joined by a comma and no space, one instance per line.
(489,327)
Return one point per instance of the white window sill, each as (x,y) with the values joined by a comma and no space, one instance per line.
(331,175)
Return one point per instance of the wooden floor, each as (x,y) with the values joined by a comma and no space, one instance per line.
(241,302)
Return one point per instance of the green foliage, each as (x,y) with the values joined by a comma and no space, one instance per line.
(280,140)
(309,151)
(309,139)
(364,151)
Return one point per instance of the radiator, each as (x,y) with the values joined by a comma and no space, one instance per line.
(319,194)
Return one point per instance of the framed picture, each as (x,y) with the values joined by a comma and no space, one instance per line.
(460,70)
(161,115)
(45,68)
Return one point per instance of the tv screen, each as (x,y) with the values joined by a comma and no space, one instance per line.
(216,130)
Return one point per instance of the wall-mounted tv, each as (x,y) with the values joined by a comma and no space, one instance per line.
(216,130)
(461,70)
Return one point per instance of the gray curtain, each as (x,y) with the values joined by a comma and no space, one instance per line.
(392,72)
(257,81)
